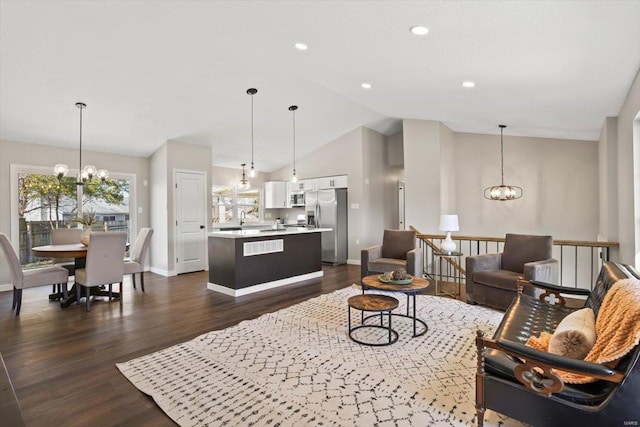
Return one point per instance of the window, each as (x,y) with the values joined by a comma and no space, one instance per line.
(231,204)
(41,203)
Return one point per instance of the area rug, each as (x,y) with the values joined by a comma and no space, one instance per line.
(298,367)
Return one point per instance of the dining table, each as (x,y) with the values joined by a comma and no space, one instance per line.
(78,252)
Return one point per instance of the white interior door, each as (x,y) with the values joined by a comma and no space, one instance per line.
(190,221)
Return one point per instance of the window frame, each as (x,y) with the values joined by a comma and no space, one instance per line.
(235,205)
(17,169)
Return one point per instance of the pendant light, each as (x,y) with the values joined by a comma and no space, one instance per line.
(252,172)
(244,182)
(88,172)
(502,192)
(294,177)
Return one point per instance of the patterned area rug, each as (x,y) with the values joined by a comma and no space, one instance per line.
(298,367)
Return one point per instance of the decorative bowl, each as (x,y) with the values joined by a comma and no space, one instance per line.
(406,281)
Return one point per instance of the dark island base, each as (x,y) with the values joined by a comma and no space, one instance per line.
(233,273)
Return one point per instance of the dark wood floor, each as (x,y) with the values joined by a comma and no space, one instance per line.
(62,361)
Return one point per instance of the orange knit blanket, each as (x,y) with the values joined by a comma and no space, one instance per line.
(617,329)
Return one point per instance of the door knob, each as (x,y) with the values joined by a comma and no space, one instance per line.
(201,227)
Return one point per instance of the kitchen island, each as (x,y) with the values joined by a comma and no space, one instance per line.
(246,261)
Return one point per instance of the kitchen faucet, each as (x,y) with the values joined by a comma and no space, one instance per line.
(243,217)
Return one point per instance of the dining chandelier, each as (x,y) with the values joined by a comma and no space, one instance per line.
(294,177)
(88,172)
(502,192)
(252,172)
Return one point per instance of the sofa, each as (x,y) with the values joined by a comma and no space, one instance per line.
(522,382)
(491,278)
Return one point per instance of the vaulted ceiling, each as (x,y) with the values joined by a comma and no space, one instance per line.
(152,71)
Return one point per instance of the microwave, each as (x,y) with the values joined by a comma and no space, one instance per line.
(297,199)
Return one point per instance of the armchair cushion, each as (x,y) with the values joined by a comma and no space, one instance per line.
(396,243)
(520,249)
(501,279)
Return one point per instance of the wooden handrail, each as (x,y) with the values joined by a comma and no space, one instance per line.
(582,243)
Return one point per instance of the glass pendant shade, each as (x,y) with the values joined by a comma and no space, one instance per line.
(244,182)
(502,192)
(60,170)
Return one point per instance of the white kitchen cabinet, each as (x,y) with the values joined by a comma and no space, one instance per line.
(276,194)
(303,185)
(337,181)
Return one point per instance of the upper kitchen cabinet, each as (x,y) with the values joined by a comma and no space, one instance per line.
(338,181)
(276,194)
(303,185)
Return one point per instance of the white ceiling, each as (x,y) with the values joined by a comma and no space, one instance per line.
(152,71)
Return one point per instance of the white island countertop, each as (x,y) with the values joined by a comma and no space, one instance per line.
(242,234)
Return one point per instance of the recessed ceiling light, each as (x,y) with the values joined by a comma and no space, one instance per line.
(418,30)
(301,46)
(366,85)
(468,84)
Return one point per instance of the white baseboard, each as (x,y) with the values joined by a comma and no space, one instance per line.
(6,287)
(262,286)
(353,261)
(164,273)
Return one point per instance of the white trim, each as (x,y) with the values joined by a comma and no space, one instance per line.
(164,273)
(353,261)
(175,215)
(16,169)
(262,286)
(6,287)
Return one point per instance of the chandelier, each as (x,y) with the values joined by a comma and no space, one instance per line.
(502,192)
(88,172)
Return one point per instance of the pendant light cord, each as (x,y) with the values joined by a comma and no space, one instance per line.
(294,141)
(252,131)
(80,164)
(501,158)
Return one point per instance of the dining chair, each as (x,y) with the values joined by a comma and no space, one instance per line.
(135,264)
(104,264)
(22,279)
(65,236)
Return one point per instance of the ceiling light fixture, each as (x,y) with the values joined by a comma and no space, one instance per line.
(301,46)
(468,84)
(419,30)
(502,192)
(252,171)
(86,173)
(366,85)
(294,177)
(244,182)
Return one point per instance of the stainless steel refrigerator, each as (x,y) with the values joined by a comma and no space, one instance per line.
(328,209)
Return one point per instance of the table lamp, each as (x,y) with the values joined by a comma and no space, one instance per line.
(448,223)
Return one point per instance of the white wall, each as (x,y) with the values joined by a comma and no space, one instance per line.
(159,183)
(608,179)
(422,174)
(628,182)
(559,180)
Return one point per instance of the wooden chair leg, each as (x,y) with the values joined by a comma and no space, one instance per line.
(15,293)
(142,280)
(121,293)
(133,278)
(65,291)
(78,293)
(18,301)
(110,291)
(88,304)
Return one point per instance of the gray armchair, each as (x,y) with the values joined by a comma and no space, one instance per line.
(398,249)
(492,278)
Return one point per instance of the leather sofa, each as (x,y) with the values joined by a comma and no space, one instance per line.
(515,379)
(491,278)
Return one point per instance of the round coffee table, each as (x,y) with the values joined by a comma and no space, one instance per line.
(417,284)
(376,304)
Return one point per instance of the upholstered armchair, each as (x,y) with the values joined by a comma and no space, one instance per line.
(398,249)
(491,279)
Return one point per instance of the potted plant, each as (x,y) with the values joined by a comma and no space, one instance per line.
(87,220)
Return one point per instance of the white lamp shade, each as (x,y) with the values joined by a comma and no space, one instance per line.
(449,223)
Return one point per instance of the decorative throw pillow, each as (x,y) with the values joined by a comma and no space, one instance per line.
(575,335)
